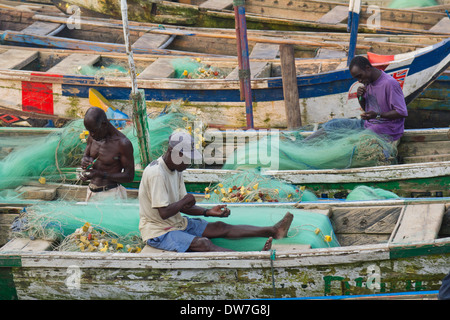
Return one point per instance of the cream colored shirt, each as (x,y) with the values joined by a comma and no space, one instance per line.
(159,188)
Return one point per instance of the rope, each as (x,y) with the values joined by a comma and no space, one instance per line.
(272,259)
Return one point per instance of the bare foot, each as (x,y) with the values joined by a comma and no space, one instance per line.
(282,227)
(268,244)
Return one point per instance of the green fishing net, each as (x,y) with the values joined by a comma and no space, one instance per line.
(308,228)
(403,4)
(101,71)
(109,225)
(108,221)
(195,69)
(161,126)
(42,158)
(336,149)
(369,193)
(252,186)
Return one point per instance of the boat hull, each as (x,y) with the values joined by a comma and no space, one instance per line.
(322,96)
(254,275)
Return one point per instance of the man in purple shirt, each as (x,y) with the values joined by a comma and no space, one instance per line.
(381,98)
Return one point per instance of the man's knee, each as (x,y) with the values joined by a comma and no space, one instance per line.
(201,244)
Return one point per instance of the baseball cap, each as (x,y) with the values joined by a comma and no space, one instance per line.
(183,142)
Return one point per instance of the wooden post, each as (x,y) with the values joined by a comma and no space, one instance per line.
(137,96)
(290,87)
(354,10)
(244,61)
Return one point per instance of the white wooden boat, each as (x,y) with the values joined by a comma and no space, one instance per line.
(385,247)
(280,15)
(330,93)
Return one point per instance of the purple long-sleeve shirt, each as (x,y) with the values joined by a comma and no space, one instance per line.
(383,95)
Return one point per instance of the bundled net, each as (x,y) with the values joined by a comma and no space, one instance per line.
(194,69)
(336,149)
(307,228)
(102,226)
(369,193)
(252,186)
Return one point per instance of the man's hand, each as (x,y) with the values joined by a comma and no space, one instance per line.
(368,115)
(91,174)
(219,211)
(361,92)
(188,201)
(86,162)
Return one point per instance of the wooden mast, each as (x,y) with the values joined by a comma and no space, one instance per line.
(137,96)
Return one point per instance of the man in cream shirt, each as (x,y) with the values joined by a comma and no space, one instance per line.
(163,197)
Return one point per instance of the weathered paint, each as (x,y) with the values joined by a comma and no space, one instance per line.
(317,272)
(281,15)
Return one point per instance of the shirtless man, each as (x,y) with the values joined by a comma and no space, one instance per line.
(108,159)
(163,197)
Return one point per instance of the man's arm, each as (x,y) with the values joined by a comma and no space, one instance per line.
(87,159)
(187,202)
(127,161)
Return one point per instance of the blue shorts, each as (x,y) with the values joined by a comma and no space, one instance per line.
(179,240)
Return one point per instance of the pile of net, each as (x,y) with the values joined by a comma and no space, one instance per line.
(252,186)
(41,158)
(369,193)
(190,68)
(307,228)
(336,149)
(93,227)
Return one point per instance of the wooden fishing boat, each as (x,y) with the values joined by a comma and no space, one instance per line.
(423,170)
(439,4)
(36,28)
(47,81)
(33,29)
(389,247)
(280,15)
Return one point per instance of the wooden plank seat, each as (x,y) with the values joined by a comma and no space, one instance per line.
(216,4)
(259,69)
(442,26)
(42,28)
(73,61)
(265,51)
(324,53)
(336,15)
(25,244)
(17,59)
(43,192)
(418,223)
(161,68)
(150,41)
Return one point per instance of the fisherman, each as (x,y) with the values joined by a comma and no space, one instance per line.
(382,101)
(381,98)
(108,159)
(163,197)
